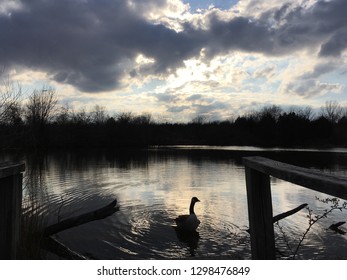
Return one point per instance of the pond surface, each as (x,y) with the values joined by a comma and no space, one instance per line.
(154,186)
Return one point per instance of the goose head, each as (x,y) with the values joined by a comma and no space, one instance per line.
(192,203)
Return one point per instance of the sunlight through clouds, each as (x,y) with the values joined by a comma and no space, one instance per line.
(175,58)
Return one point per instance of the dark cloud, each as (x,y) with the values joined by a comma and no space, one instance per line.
(92,44)
(239,33)
(177,109)
(212,106)
(194,97)
(165,97)
(334,23)
(71,40)
(336,44)
(89,44)
(321,69)
(311,87)
(324,24)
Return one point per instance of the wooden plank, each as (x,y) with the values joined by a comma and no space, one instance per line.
(330,184)
(11,168)
(82,219)
(10,215)
(260,214)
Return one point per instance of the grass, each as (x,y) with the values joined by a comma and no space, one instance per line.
(32,239)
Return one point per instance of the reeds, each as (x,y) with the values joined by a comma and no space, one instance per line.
(32,226)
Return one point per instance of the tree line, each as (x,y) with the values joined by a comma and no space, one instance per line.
(41,123)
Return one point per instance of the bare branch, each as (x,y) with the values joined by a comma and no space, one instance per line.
(41,106)
(10,95)
(332,111)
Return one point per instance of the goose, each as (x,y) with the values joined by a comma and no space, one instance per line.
(188,222)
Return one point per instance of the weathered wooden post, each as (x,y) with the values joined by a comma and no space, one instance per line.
(10,207)
(260,214)
(258,172)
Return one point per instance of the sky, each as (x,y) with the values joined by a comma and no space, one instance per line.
(178,59)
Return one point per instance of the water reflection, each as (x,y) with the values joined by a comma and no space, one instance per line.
(153,187)
(189,238)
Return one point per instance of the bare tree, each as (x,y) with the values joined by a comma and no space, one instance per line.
(39,112)
(64,114)
(303,112)
(272,111)
(144,119)
(40,107)
(13,116)
(125,118)
(200,119)
(99,115)
(307,113)
(332,111)
(80,117)
(10,95)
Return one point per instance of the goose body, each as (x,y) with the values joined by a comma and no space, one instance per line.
(188,222)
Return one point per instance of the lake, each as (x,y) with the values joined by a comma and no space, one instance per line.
(155,185)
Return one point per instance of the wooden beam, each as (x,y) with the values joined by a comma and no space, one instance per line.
(260,215)
(53,245)
(10,208)
(82,219)
(330,184)
(11,168)
(258,172)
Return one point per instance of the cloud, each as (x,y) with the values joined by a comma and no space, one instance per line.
(194,97)
(321,69)
(6,7)
(165,97)
(266,72)
(302,24)
(336,44)
(312,87)
(178,109)
(160,11)
(89,44)
(93,44)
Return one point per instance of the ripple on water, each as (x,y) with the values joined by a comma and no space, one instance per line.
(148,233)
(152,191)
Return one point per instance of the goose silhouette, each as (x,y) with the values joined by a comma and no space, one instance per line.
(189,222)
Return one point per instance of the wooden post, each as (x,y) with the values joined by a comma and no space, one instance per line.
(260,215)
(10,208)
(258,172)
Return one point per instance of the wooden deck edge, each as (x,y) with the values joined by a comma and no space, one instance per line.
(11,168)
(331,184)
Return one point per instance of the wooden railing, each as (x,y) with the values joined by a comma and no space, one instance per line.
(258,172)
(10,208)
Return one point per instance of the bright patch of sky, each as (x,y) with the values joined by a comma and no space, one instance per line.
(204,5)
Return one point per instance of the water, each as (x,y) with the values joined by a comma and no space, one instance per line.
(154,186)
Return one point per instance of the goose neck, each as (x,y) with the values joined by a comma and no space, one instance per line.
(191,208)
